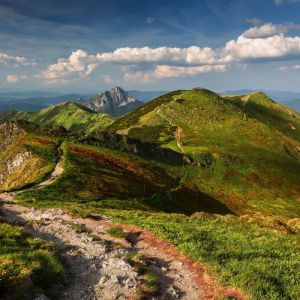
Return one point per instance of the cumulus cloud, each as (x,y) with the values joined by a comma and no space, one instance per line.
(79,64)
(146,64)
(274,47)
(193,55)
(15,61)
(165,71)
(268,30)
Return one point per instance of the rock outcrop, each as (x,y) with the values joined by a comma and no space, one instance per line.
(115,102)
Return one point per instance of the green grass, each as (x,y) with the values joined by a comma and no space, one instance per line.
(28,265)
(263,263)
(116,232)
(258,256)
(111,179)
(248,150)
(245,165)
(71,116)
(150,283)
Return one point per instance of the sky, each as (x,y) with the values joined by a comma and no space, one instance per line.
(89,46)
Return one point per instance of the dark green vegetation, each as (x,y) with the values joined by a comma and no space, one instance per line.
(27,265)
(241,157)
(69,115)
(116,232)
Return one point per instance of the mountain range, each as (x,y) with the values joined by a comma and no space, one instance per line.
(35,100)
(216,175)
(220,139)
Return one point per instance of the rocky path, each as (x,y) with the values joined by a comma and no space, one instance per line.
(98,263)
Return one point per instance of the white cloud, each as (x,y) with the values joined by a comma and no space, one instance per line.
(274,47)
(145,64)
(15,61)
(193,55)
(12,78)
(79,64)
(165,71)
(268,30)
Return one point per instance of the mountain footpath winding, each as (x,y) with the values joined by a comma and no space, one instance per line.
(102,266)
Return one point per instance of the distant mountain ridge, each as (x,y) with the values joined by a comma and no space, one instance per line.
(34,101)
(70,115)
(116,102)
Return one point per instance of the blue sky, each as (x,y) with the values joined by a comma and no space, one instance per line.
(149,45)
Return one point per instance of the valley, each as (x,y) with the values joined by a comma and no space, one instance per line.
(212,181)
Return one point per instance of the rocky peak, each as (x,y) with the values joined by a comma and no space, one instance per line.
(116,96)
(115,102)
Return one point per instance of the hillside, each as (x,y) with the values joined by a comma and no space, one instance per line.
(25,158)
(115,102)
(247,161)
(231,202)
(70,115)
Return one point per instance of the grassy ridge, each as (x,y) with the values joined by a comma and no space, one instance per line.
(111,179)
(251,160)
(242,163)
(27,265)
(71,116)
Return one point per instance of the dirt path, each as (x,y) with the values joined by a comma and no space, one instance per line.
(57,171)
(178,133)
(98,263)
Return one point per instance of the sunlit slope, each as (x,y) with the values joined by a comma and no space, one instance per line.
(25,158)
(70,115)
(276,115)
(244,160)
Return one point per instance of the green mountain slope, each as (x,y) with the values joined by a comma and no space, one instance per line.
(70,115)
(263,108)
(111,179)
(239,160)
(248,161)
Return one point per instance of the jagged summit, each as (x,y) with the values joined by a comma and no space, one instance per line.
(115,102)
